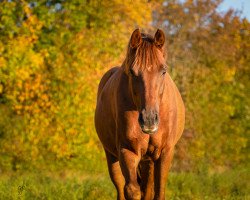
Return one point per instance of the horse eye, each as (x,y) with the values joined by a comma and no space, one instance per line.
(164,72)
(131,72)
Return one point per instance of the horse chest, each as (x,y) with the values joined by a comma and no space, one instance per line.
(152,149)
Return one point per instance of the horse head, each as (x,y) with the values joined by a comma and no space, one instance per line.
(145,66)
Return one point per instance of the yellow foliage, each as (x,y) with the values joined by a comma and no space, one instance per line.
(229,74)
(1,88)
(2,62)
(51,63)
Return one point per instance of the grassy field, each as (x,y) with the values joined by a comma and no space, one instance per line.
(72,186)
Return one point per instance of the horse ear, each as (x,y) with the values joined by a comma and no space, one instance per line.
(135,39)
(159,38)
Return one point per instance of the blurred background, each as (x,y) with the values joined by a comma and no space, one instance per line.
(52,56)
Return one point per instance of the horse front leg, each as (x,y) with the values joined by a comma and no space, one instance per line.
(147,179)
(116,175)
(162,166)
(129,162)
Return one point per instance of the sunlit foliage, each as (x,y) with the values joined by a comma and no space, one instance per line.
(53,54)
(209,59)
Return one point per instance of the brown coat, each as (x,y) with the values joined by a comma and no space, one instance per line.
(128,101)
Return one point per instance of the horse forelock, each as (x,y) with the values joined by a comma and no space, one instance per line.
(146,57)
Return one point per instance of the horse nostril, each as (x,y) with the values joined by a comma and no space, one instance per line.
(156,118)
(141,121)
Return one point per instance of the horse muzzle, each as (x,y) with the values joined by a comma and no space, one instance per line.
(149,121)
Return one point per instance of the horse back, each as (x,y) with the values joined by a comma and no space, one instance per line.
(105,79)
(104,118)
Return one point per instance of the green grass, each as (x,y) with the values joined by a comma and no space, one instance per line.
(233,185)
(228,185)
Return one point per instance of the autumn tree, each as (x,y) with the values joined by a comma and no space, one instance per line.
(209,58)
(52,54)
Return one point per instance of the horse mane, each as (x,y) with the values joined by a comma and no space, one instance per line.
(146,56)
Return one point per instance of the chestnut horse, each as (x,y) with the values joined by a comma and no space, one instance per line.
(139,118)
